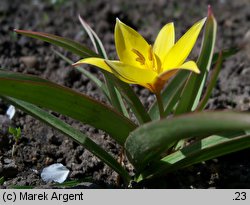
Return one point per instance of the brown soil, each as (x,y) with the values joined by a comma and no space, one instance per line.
(40,145)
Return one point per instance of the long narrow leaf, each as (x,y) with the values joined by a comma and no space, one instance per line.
(225,54)
(84,52)
(133,102)
(173,100)
(88,31)
(205,149)
(211,84)
(74,134)
(97,43)
(65,101)
(115,97)
(192,92)
(148,142)
(127,92)
(65,43)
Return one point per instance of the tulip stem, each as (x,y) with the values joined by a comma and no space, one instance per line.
(160,105)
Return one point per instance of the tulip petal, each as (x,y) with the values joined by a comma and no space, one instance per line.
(180,51)
(133,75)
(189,65)
(99,62)
(131,47)
(55,172)
(164,41)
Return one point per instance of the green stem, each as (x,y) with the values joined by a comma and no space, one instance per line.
(160,105)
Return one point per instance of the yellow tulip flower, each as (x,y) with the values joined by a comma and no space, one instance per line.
(146,65)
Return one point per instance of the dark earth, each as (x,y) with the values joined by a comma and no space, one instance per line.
(41,145)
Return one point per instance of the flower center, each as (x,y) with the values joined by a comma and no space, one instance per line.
(151,58)
(150,64)
(140,58)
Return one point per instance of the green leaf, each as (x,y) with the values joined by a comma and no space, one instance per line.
(114,94)
(74,134)
(12,130)
(211,84)
(82,51)
(170,95)
(225,54)
(97,43)
(65,101)
(16,132)
(1,180)
(148,142)
(192,92)
(132,99)
(69,45)
(133,102)
(205,149)
(116,85)
(73,183)
(116,99)
(88,30)
(65,43)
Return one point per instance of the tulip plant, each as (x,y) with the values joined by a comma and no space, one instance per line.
(174,133)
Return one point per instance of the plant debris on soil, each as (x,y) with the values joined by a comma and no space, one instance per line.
(40,145)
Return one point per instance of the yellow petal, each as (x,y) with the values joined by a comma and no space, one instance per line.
(131,47)
(180,51)
(99,62)
(164,41)
(130,74)
(189,65)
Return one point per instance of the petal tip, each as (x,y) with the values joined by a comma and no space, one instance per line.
(171,24)
(118,21)
(202,21)
(197,71)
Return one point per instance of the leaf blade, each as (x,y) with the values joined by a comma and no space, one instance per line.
(65,101)
(192,91)
(114,94)
(74,134)
(65,43)
(205,149)
(150,141)
(212,82)
(133,101)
